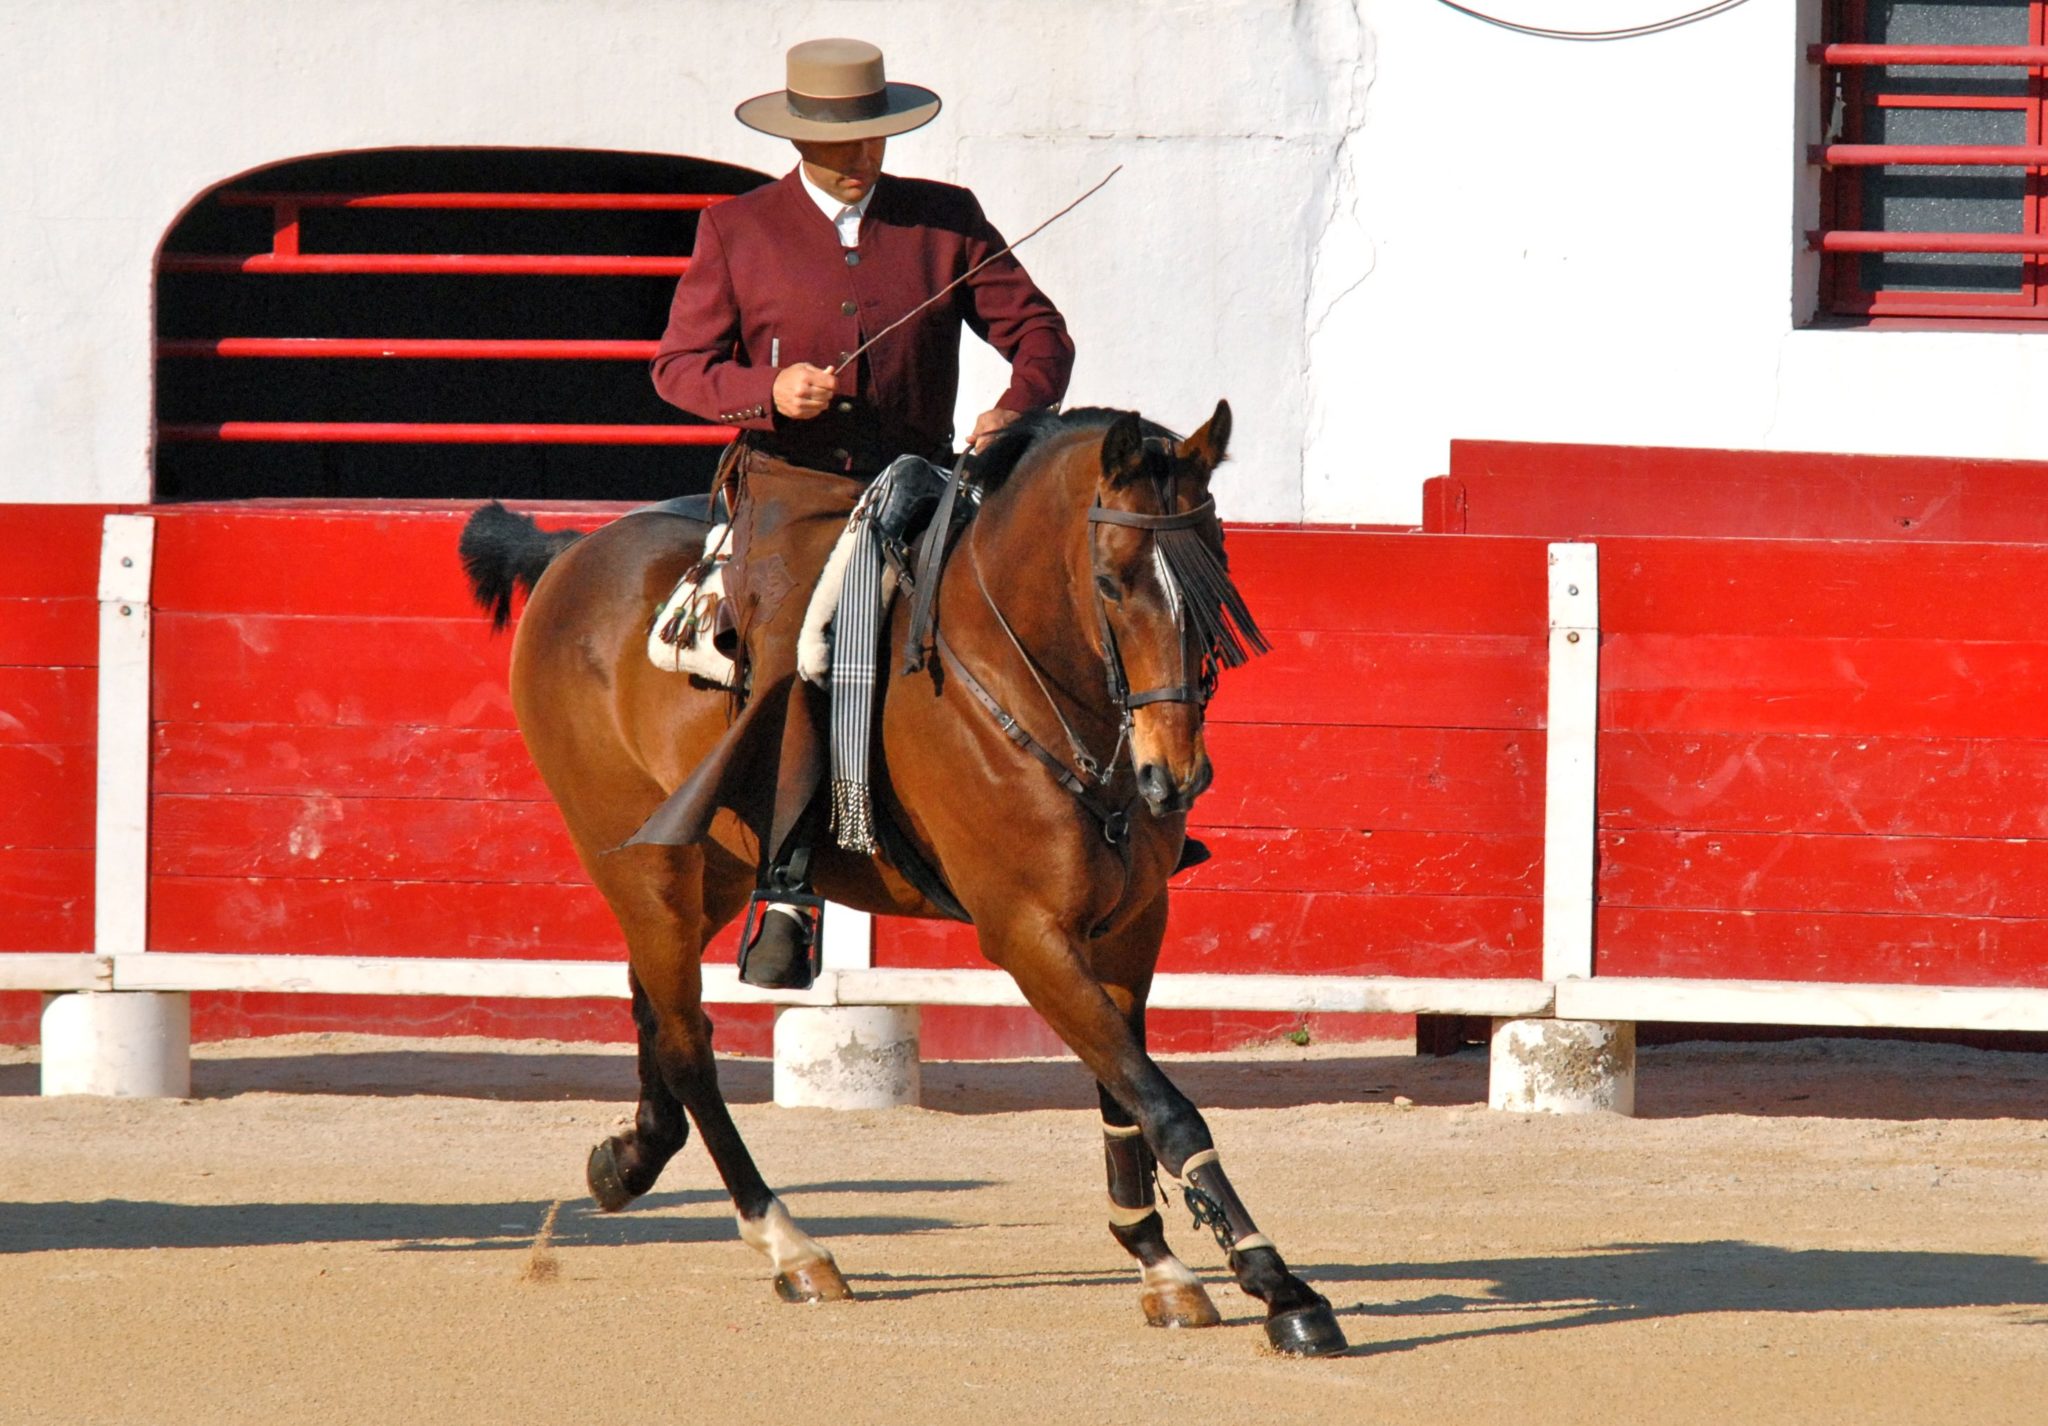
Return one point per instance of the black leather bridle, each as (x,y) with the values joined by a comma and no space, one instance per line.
(1081,773)
(1186,691)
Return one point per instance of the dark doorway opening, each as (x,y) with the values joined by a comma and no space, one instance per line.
(374,254)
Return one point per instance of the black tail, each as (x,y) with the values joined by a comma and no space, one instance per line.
(501,550)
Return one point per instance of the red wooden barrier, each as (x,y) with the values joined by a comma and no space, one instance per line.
(49,652)
(1568,492)
(1824,761)
(1822,758)
(336,771)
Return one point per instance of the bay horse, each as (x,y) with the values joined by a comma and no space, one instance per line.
(1080,621)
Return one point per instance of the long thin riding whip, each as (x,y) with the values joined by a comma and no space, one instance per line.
(854,355)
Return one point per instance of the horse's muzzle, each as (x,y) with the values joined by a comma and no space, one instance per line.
(1163,795)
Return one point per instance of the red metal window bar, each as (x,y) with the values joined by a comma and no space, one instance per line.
(1861,86)
(286,257)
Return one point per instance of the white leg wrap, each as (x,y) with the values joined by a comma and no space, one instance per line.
(776,1235)
(1122,1217)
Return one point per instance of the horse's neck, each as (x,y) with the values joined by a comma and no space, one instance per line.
(1028,550)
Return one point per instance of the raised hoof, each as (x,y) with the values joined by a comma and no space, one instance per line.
(813,1282)
(607,1184)
(1179,1305)
(1310,1331)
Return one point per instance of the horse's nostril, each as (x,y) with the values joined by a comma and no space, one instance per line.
(1154,785)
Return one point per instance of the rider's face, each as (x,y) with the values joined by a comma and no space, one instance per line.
(847,170)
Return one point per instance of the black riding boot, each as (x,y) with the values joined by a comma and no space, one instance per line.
(779,948)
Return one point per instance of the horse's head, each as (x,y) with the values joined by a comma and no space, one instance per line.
(1168,617)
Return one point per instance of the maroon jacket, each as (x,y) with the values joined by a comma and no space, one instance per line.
(768,267)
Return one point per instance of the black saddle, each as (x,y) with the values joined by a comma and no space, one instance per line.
(708,508)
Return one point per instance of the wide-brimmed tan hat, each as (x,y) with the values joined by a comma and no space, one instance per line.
(837,93)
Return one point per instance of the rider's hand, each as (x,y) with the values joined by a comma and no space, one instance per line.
(803,391)
(986,425)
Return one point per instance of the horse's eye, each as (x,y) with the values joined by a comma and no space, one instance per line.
(1106,587)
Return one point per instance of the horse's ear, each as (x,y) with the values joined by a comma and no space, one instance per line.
(1210,444)
(1123,450)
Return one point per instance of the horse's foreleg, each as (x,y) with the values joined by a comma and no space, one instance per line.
(1172,1295)
(1049,967)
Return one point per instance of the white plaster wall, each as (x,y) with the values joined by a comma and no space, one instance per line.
(1183,280)
(1374,225)
(1544,240)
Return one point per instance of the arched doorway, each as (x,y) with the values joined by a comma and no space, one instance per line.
(430,323)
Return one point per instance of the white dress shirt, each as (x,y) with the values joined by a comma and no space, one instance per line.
(843,216)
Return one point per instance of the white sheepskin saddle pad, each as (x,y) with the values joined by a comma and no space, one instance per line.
(681,639)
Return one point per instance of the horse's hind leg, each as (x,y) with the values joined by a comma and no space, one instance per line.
(624,1166)
(668,918)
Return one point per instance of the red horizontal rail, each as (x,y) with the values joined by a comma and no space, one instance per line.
(1869,155)
(522,349)
(600,202)
(517,264)
(1841,241)
(448,433)
(2028,55)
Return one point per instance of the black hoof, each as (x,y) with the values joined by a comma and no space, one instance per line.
(1307,1332)
(607,1184)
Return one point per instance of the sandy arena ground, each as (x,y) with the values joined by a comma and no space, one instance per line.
(335,1230)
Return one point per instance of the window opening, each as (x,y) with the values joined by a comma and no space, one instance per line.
(431,323)
(1932,154)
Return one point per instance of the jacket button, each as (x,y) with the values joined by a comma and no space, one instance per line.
(845,406)
(841,456)
(849,308)
(852,258)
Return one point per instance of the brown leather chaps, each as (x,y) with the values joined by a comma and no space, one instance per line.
(772,761)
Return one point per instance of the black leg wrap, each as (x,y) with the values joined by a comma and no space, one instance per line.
(1128,1161)
(1216,1206)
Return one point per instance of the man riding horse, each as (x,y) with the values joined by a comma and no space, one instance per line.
(785,285)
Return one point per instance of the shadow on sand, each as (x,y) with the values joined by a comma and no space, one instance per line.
(1632,1282)
(117,1223)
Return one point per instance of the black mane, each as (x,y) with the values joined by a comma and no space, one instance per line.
(1017,440)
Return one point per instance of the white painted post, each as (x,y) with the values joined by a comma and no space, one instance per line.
(1563,1066)
(114,1042)
(1569,772)
(847,1056)
(1568,1066)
